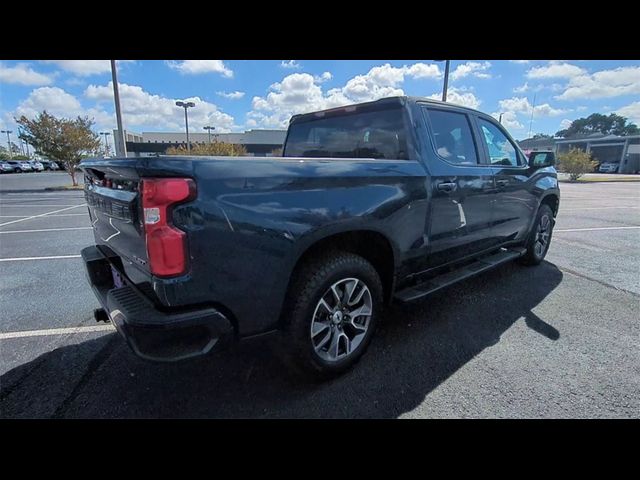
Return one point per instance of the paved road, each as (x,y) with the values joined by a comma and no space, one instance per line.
(558,340)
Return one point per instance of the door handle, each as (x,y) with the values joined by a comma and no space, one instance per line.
(446,186)
(502,183)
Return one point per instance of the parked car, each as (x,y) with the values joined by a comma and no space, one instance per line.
(6,167)
(609,167)
(50,165)
(383,201)
(36,166)
(20,166)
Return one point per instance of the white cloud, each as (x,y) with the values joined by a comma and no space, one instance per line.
(194,67)
(84,68)
(555,69)
(325,77)
(522,105)
(231,95)
(60,103)
(292,64)
(566,123)
(23,74)
(631,111)
(520,61)
(509,120)
(604,84)
(473,69)
(302,92)
(459,96)
(143,109)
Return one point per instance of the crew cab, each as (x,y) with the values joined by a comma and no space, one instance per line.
(385,201)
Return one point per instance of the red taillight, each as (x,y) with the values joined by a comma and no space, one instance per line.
(166,245)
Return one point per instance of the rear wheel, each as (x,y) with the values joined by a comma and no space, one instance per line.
(331,314)
(540,237)
(18,170)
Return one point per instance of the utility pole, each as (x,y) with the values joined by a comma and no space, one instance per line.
(116,96)
(186,105)
(8,132)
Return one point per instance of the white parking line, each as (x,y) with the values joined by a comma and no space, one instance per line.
(41,215)
(47,230)
(51,257)
(6,205)
(594,229)
(61,215)
(56,331)
(594,208)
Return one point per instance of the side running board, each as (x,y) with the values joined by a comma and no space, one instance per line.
(441,281)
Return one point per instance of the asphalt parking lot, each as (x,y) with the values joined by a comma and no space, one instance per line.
(560,340)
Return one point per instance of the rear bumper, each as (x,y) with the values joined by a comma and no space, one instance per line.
(151,333)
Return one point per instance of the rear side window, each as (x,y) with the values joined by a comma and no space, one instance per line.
(453,137)
(378,134)
(501,150)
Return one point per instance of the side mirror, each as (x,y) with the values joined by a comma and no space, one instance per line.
(542,159)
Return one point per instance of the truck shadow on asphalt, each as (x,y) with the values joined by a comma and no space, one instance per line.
(415,349)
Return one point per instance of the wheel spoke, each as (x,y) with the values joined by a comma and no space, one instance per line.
(334,348)
(322,343)
(325,305)
(318,327)
(363,310)
(348,292)
(336,295)
(361,293)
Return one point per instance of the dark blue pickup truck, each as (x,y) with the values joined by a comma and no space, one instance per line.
(371,203)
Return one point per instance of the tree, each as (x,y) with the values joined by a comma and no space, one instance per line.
(214,148)
(276,152)
(611,124)
(541,135)
(64,140)
(576,163)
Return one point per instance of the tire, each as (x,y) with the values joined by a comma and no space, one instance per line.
(17,170)
(318,338)
(540,237)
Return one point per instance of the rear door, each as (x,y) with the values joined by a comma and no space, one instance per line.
(462,188)
(514,202)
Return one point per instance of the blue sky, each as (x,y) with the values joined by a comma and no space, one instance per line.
(237,95)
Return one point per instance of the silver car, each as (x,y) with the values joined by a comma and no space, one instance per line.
(609,167)
(36,166)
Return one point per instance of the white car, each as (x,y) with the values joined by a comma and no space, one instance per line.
(37,166)
(609,167)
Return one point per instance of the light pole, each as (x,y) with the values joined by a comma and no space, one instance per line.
(209,128)
(8,132)
(446,78)
(106,141)
(186,105)
(116,97)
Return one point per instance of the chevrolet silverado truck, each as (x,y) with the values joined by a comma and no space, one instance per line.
(372,203)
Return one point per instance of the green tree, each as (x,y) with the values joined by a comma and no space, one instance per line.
(576,163)
(64,140)
(541,135)
(214,148)
(612,124)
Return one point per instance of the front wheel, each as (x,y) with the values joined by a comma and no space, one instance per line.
(331,313)
(540,237)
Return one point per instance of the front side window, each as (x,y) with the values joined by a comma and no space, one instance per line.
(453,137)
(501,150)
(376,134)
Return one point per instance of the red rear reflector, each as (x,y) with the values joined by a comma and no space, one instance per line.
(166,245)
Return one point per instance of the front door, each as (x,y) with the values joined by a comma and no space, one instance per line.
(462,189)
(515,203)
